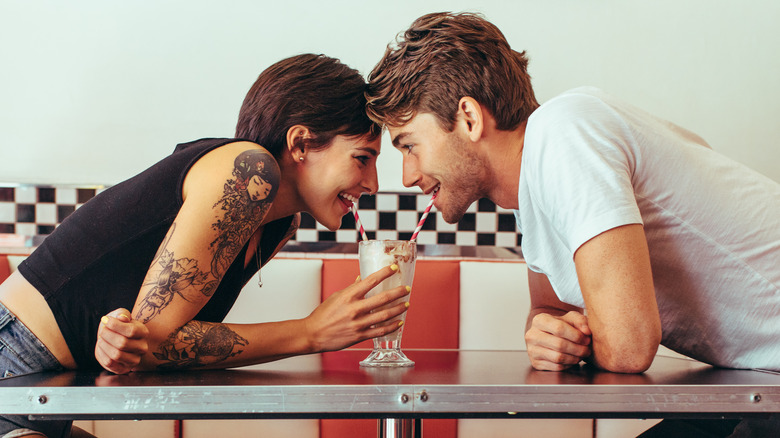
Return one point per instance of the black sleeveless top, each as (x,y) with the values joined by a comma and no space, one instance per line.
(96,260)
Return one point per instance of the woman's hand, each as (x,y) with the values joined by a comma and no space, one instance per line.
(347,317)
(555,343)
(122,342)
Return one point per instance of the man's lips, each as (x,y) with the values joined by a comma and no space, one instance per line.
(435,193)
(433,190)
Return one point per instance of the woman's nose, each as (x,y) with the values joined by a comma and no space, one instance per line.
(370,182)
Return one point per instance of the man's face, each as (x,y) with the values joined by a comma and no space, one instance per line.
(436,159)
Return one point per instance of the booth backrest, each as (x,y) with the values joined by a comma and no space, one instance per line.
(432,319)
(432,322)
(5,267)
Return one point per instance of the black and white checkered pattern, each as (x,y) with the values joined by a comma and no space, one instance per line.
(36,210)
(395,216)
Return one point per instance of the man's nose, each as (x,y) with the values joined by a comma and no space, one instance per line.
(411,175)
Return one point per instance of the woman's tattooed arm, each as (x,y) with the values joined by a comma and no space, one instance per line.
(170,277)
(245,200)
(199,344)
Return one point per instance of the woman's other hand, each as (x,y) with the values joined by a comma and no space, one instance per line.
(122,342)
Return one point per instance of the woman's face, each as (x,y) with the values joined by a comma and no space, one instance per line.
(258,188)
(331,179)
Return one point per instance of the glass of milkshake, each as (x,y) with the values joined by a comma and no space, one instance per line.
(373,256)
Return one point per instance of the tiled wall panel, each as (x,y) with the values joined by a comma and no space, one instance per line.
(36,210)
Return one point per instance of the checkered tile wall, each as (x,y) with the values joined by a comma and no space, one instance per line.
(36,210)
(29,210)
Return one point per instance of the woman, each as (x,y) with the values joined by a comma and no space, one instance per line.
(177,242)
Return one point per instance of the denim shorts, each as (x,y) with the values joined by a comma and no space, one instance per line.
(21,352)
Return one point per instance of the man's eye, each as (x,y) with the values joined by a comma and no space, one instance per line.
(408,148)
(363,159)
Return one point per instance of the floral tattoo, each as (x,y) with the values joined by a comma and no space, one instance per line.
(172,277)
(199,344)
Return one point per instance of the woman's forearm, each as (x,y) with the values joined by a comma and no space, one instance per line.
(208,345)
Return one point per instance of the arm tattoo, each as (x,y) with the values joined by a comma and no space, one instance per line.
(199,344)
(170,277)
(245,201)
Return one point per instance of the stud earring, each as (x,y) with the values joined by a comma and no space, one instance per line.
(300,158)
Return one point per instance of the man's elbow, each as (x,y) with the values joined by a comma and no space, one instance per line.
(633,360)
(627,365)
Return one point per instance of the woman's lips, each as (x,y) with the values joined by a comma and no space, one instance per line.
(347,200)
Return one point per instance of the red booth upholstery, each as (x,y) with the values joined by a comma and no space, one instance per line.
(432,322)
(5,267)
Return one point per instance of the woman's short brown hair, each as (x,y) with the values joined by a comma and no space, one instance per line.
(314,91)
(443,57)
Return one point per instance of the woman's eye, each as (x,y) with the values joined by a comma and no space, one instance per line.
(363,159)
(408,148)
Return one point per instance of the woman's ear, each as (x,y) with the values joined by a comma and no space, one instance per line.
(471,116)
(296,142)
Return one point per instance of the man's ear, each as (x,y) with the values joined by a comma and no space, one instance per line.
(470,115)
(296,141)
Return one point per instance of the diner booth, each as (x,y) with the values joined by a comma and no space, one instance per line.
(471,294)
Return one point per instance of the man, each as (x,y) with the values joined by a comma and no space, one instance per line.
(635,232)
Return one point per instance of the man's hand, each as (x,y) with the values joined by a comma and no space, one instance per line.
(122,342)
(555,343)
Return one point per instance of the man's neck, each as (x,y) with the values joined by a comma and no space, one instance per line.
(504,156)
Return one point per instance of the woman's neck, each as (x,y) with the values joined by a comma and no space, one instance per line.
(286,203)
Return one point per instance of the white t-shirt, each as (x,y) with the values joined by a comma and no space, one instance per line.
(592,163)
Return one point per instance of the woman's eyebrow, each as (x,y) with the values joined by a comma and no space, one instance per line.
(368,149)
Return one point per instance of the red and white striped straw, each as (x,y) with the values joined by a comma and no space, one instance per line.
(424,216)
(359,224)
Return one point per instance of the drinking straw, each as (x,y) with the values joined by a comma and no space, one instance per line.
(425,215)
(360,224)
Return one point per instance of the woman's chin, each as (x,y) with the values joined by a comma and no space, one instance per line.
(331,223)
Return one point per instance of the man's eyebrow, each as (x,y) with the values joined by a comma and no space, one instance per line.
(400,138)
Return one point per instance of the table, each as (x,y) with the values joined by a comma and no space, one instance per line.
(442,384)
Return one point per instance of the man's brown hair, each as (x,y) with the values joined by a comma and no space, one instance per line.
(443,57)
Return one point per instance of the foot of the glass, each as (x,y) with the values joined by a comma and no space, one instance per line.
(387,358)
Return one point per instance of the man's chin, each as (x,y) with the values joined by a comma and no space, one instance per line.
(451,217)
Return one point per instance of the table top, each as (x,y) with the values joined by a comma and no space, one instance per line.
(443,383)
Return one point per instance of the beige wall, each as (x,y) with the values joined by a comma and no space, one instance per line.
(93,91)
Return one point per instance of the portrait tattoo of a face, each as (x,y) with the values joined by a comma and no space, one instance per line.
(246,198)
